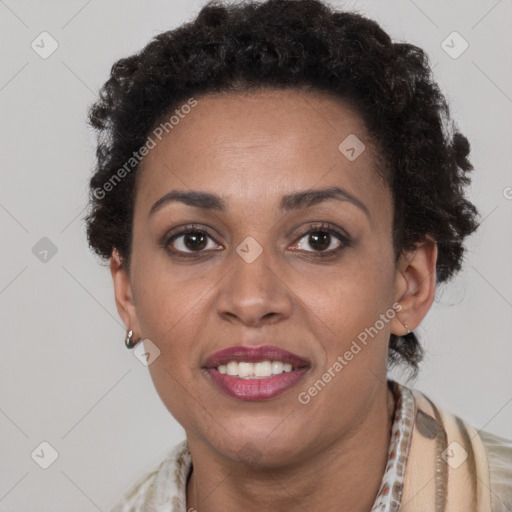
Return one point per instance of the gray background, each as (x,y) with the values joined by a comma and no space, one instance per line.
(66,377)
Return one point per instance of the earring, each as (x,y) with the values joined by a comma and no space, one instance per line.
(128,340)
(405,325)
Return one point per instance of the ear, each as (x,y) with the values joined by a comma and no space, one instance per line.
(415,286)
(125,302)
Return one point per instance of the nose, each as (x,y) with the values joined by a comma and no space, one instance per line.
(254,293)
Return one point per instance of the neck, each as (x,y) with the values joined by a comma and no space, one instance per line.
(343,477)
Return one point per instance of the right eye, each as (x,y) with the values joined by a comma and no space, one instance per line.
(189,240)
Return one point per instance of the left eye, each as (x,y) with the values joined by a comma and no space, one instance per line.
(321,240)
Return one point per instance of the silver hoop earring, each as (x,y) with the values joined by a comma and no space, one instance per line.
(128,340)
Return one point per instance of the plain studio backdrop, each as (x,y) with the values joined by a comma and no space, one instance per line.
(66,378)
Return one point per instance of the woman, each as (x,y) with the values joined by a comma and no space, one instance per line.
(279,189)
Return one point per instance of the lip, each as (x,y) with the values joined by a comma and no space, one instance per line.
(255,389)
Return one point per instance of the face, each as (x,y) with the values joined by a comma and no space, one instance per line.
(286,261)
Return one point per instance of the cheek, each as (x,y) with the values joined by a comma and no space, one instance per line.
(172,318)
(345,311)
(164,304)
(352,296)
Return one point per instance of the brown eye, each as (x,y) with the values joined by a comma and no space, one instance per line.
(195,241)
(322,240)
(190,241)
(319,240)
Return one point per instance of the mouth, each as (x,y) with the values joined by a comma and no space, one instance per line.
(255,374)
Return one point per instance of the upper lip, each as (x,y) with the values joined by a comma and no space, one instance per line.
(254,355)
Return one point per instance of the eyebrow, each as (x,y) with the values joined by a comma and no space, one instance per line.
(294,201)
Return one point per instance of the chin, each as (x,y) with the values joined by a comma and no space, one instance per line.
(259,442)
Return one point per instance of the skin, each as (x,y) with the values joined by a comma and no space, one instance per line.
(251,149)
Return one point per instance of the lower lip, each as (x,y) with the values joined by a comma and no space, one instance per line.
(254,390)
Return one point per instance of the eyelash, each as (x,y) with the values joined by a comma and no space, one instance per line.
(193,229)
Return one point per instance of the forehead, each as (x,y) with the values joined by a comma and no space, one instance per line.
(264,143)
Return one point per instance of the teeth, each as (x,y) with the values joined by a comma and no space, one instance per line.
(245,369)
(277,367)
(262,369)
(232,368)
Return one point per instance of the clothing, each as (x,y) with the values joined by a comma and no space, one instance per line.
(436,463)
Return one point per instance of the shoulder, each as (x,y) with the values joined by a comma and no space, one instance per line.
(474,460)
(499,455)
(160,490)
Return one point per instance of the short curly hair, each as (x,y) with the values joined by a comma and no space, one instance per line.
(294,44)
